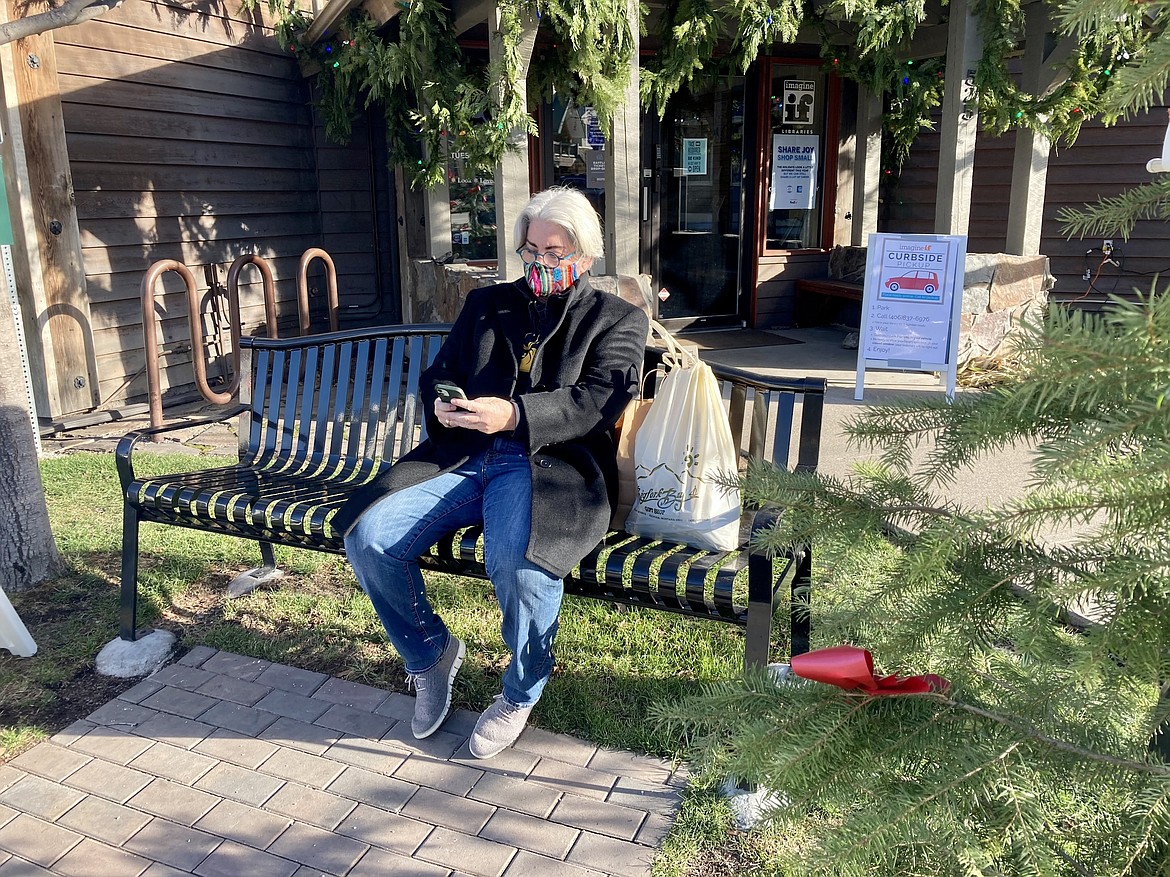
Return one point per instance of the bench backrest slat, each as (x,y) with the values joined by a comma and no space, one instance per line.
(338,395)
(735,413)
(262,385)
(782,431)
(359,405)
(306,388)
(758,438)
(376,404)
(393,391)
(809,450)
(288,418)
(410,402)
(278,376)
(318,426)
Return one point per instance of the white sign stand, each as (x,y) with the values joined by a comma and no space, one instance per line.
(14,636)
(911,304)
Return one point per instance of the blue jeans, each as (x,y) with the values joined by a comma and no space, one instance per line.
(494,488)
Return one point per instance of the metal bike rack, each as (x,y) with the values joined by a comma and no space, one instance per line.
(303,288)
(233,285)
(198,357)
(150,340)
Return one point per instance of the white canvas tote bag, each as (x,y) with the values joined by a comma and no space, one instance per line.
(679,449)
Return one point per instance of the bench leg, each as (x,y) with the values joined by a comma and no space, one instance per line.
(249,580)
(761,604)
(128,601)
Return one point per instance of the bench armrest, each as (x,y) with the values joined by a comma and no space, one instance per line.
(749,378)
(126,445)
(765,518)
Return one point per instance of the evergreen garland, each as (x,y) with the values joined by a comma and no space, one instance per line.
(432,92)
(589,62)
(1105,47)
(1048,755)
(434,95)
(690,32)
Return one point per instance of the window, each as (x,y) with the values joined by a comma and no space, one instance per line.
(795,195)
(578,151)
(473,209)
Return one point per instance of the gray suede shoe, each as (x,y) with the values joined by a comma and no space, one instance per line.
(432,700)
(498,728)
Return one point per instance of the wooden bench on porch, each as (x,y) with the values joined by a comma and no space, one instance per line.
(321,415)
(811,307)
(830,299)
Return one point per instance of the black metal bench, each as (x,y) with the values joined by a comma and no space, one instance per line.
(319,416)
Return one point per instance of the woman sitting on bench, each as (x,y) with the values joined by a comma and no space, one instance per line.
(520,403)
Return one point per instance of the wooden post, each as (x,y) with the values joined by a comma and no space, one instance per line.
(439,220)
(867,166)
(1030,160)
(623,178)
(47,249)
(512,186)
(956,160)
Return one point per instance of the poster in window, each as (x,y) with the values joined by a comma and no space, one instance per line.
(794,171)
(695,156)
(594,136)
(799,98)
(594,168)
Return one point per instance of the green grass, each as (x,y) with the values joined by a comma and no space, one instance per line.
(611,664)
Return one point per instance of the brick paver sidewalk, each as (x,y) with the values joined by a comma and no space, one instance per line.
(227,765)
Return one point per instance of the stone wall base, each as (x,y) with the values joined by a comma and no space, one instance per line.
(1000,293)
(437,291)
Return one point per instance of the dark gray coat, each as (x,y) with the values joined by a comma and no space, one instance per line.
(586,369)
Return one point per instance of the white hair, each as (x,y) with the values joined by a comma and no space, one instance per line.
(570,210)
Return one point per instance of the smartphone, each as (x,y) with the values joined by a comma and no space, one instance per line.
(447,392)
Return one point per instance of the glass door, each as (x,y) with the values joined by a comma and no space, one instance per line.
(700,206)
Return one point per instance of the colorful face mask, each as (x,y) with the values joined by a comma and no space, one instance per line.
(543,280)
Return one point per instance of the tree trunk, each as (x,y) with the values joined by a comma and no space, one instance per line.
(28,553)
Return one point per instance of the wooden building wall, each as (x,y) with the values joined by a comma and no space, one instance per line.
(1102,163)
(191,137)
(358,225)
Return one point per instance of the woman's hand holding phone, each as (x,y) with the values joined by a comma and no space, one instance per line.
(487,414)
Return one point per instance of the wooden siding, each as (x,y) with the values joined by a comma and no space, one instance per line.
(191,137)
(358,225)
(1102,163)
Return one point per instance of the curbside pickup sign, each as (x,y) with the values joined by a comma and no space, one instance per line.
(910,306)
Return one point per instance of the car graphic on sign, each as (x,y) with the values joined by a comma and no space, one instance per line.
(927,281)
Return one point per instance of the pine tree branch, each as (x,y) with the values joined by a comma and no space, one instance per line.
(848,768)
(1073,863)
(957,781)
(1141,767)
(1144,843)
